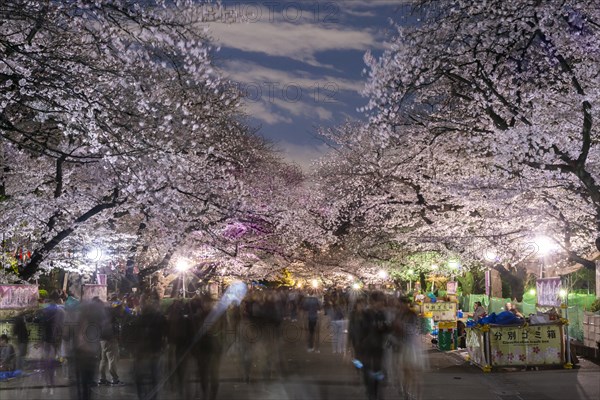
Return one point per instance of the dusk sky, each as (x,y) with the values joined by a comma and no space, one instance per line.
(301,64)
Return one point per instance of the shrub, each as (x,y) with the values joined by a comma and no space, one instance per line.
(595,306)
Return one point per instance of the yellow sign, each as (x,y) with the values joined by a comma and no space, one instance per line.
(447,325)
(528,345)
(440,311)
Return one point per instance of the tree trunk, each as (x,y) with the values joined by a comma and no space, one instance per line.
(598,279)
(496,284)
(515,277)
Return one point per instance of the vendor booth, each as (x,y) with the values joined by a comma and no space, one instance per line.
(20,299)
(497,346)
(442,320)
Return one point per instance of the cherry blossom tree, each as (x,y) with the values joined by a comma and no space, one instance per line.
(501,97)
(111,113)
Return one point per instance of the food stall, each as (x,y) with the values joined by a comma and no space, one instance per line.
(20,299)
(498,346)
(442,317)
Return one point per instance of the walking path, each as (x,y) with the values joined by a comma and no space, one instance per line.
(323,375)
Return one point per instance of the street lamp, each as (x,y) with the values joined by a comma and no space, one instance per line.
(94,254)
(545,246)
(434,267)
(410,273)
(453,265)
(491,257)
(182,265)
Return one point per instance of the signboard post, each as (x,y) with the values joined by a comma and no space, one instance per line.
(529,345)
(451,287)
(441,310)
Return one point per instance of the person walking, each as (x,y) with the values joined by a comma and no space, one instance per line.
(339,324)
(8,355)
(311,305)
(87,346)
(372,338)
(150,328)
(52,320)
(109,344)
(22,334)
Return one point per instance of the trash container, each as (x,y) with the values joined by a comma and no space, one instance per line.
(426,325)
(447,339)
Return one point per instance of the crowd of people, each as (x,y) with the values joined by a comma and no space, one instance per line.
(173,347)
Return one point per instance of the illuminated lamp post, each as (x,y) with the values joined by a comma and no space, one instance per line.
(182,266)
(544,246)
(491,257)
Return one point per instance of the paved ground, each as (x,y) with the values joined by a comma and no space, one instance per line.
(331,376)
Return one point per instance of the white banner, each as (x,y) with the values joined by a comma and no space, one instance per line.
(91,291)
(548,292)
(101,279)
(18,296)
(451,287)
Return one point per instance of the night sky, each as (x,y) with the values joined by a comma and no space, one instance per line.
(300,64)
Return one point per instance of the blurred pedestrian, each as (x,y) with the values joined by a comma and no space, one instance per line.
(311,305)
(87,346)
(209,325)
(52,320)
(150,328)
(22,335)
(408,359)
(8,355)
(372,338)
(109,343)
(339,324)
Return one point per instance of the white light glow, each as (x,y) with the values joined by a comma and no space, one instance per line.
(532,291)
(562,293)
(382,274)
(490,255)
(545,245)
(434,267)
(356,286)
(315,283)
(411,271)
(94,254)
(182,265)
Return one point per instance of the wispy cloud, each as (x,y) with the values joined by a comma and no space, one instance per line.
(277,79)
(301,42)
(303,155)
(274,95)
(264,112)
